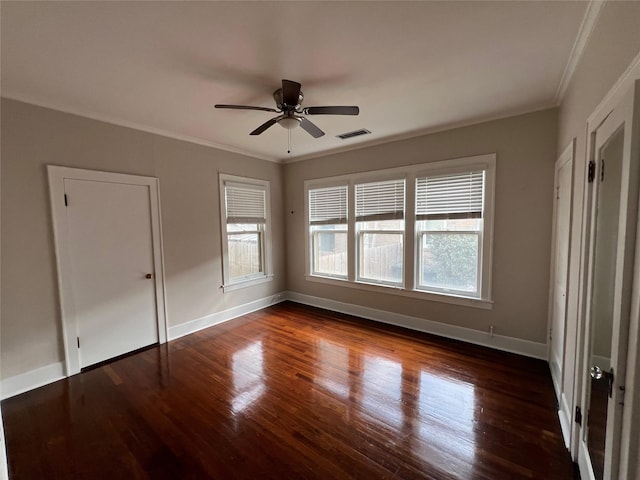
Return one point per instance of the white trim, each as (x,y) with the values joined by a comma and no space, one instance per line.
(619,107)
(584,33)
(584,461)
(498,342)
(424,132)
(51,373)
(4,468)
(252,282)
(284,160)
(613,97)
(32,379)
(606,105)
(565,420)
(267,248)
(393,290)
(57,175)
(486,162)
(133,125)
(558,373)
(436,167)
(217,318)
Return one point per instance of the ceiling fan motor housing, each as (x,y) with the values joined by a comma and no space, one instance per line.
(277,96)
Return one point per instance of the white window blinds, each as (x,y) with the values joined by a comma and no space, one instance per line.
(328,206)
(380,201)
(245,203)
(450,196)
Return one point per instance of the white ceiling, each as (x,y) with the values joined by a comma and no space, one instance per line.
(412,67)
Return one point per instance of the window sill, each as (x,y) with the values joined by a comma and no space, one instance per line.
(246,283)
(400,291)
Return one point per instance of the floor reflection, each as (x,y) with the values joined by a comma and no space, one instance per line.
(447,416)
(333,368)
(293,393)
(248,376)
(431,415)
(382,390)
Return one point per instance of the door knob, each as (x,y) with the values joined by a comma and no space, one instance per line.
(149,275)
(596,372)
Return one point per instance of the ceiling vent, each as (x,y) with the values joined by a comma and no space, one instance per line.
(355,133)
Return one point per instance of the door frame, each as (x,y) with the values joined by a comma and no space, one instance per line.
(624,459)
(57,176)
(564,409)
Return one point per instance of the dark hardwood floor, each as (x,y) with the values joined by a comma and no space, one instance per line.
(293,392)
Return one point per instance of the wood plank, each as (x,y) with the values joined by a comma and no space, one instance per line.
(295,392)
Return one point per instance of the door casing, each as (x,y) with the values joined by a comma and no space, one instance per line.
(57,176)
(622,103)
(562,368)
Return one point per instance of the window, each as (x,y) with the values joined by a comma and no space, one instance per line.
(420,231)
(449,229)
(244,230)
(380,231)
(328,231)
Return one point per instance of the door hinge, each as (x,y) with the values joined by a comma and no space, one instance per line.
(578,416)
(558,192)
(78,339)
(592,171)
(66,200)
(602,171)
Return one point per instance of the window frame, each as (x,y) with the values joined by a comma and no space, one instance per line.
(264,233)
(420,262)
(360,233)
(311,237)
(368,217)
(315,247)
(412,261)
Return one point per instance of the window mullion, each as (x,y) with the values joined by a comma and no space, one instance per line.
(410,251)
(352,250)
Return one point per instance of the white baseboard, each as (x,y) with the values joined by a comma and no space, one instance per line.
(584,463)
(4,468)
(50,373)
(193,326)
(32,379)
(499,342)
(564,415)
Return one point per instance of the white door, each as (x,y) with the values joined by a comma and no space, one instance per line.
(557,348)
(111,253)
(109,258)
(614,207)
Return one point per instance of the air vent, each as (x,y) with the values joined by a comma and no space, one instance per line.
(355,133)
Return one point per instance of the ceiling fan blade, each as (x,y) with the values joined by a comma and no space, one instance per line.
(247,107)
(290,92)
(265,125)
(310,128)
(338,110)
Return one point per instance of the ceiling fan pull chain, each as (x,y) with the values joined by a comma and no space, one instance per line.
(289,149)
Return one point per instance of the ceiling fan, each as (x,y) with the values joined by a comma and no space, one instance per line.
(292,113)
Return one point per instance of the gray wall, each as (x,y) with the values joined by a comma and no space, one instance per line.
(33,137)
(526,149)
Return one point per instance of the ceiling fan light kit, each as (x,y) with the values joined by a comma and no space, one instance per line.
(288,100)
(289,123)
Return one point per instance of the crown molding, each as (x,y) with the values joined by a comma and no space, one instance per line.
(135,126)
(584,33)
